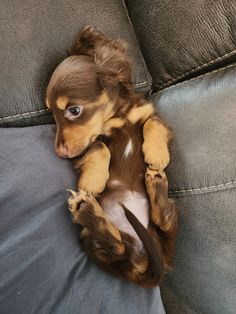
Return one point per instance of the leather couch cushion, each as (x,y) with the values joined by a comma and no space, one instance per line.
(43,269)
(202,178)
(35,37)
(180,39)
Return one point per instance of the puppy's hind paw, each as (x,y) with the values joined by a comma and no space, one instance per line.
(154,177)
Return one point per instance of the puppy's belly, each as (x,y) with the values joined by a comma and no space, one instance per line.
(135,202)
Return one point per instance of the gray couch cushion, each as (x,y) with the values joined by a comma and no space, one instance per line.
(182,38)
(202,178)
(35,37)
(42,267)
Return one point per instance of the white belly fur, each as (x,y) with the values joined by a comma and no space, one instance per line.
(136,203)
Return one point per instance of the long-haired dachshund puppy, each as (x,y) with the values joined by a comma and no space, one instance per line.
(119,146)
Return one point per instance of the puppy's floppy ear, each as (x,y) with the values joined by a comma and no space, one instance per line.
(86,42)
(109,55)
(113,65)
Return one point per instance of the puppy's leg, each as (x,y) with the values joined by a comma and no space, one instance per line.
(103,237)
(94,169)
(163,211)
(155,146)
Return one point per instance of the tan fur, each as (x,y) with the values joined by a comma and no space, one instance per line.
(47,103)
(111,124)
(103,99)
(108,111)
(104,105)
(140,267)
(94,170)
(85,233)
(62,102)
(155,145)
(141,113)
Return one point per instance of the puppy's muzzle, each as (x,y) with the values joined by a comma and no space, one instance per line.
(62,151)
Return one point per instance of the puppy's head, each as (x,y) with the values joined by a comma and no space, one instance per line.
(84,89)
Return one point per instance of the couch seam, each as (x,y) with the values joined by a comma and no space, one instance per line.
(147,74)
(195,78)
(199,67)
(140,84)
(202,189)
(25,114)
(29,113)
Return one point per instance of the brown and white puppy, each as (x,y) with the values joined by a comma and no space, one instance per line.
(119,146)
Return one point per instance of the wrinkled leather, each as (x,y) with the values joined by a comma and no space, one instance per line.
(178,37)
(35,36)
(202,176)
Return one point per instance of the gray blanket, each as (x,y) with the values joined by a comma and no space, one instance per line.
(42,267)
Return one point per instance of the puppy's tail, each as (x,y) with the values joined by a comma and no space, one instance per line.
(154,271)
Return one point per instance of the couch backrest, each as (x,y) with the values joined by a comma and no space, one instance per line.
(181,39)
(35,36)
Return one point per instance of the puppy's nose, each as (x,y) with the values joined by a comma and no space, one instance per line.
(62,151)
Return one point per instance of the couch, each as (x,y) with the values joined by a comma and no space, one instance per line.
(184,56)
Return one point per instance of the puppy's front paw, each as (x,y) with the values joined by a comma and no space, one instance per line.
(157,159)
(75,202)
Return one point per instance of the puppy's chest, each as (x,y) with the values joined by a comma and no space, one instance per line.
(127,161)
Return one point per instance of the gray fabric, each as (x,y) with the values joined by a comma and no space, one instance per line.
(173,304)
(205,274)
(202,178)
(42,267)
(35,38)
(181,38)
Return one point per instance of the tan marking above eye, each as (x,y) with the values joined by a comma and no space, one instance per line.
(62,102)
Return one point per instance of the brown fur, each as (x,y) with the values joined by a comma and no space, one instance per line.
(96,79)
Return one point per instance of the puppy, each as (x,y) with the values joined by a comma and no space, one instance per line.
(119,147)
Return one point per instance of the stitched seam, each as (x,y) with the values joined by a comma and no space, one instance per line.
(199,67)
(140,84)
(148,81)
(195,78)
(206,188)
(29,113)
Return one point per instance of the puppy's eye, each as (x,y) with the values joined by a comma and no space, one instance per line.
(73,112)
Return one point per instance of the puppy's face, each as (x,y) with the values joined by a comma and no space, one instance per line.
(82,90)
(79,105)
